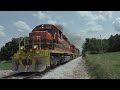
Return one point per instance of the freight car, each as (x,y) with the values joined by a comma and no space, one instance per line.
(47,47)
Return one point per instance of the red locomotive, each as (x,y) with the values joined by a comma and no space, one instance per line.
(47,46)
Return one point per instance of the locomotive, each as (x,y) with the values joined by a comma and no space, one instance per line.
(46,47)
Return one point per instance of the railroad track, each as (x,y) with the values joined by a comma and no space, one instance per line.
(28,75)
(21,75)
(25,75)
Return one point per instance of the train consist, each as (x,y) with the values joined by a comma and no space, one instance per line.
(47,47)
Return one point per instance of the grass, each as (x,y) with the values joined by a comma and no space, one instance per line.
(104,66)
(5,66)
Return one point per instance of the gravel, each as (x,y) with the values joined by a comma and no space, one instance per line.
(5,72)
(74,69)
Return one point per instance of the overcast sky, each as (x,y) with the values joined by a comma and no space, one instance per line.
(77,24)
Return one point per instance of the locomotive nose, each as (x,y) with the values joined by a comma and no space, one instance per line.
(27,61)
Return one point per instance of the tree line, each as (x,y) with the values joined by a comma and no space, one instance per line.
(94,46)
(91,45)
(11,47)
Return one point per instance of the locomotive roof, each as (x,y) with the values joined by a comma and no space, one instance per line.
(48,26)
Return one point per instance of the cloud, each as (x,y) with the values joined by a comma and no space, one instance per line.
(71,22)
(54,22)
(95,20)
(87,14)
(96,28)
(2,28)
(107,14)
(49,18)
(22,26)
(100,16)
(42,15)
(96,16)
(116,24)
(51,22)
(91,23)
(64,23)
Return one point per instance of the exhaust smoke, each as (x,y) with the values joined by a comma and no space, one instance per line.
(74,38)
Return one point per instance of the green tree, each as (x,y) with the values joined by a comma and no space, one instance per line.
(114,43)
(10,48)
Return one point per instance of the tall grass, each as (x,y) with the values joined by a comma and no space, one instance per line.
(104,66)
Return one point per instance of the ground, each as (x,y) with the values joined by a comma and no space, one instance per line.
(74,69)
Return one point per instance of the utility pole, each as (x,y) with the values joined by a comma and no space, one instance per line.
(101,44)
(24,43)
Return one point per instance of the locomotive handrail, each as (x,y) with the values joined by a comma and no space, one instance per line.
(20,42)
(38,37)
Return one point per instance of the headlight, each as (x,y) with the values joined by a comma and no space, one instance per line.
(22,47)
(35,47)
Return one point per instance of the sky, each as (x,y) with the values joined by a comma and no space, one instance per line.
(77,25)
